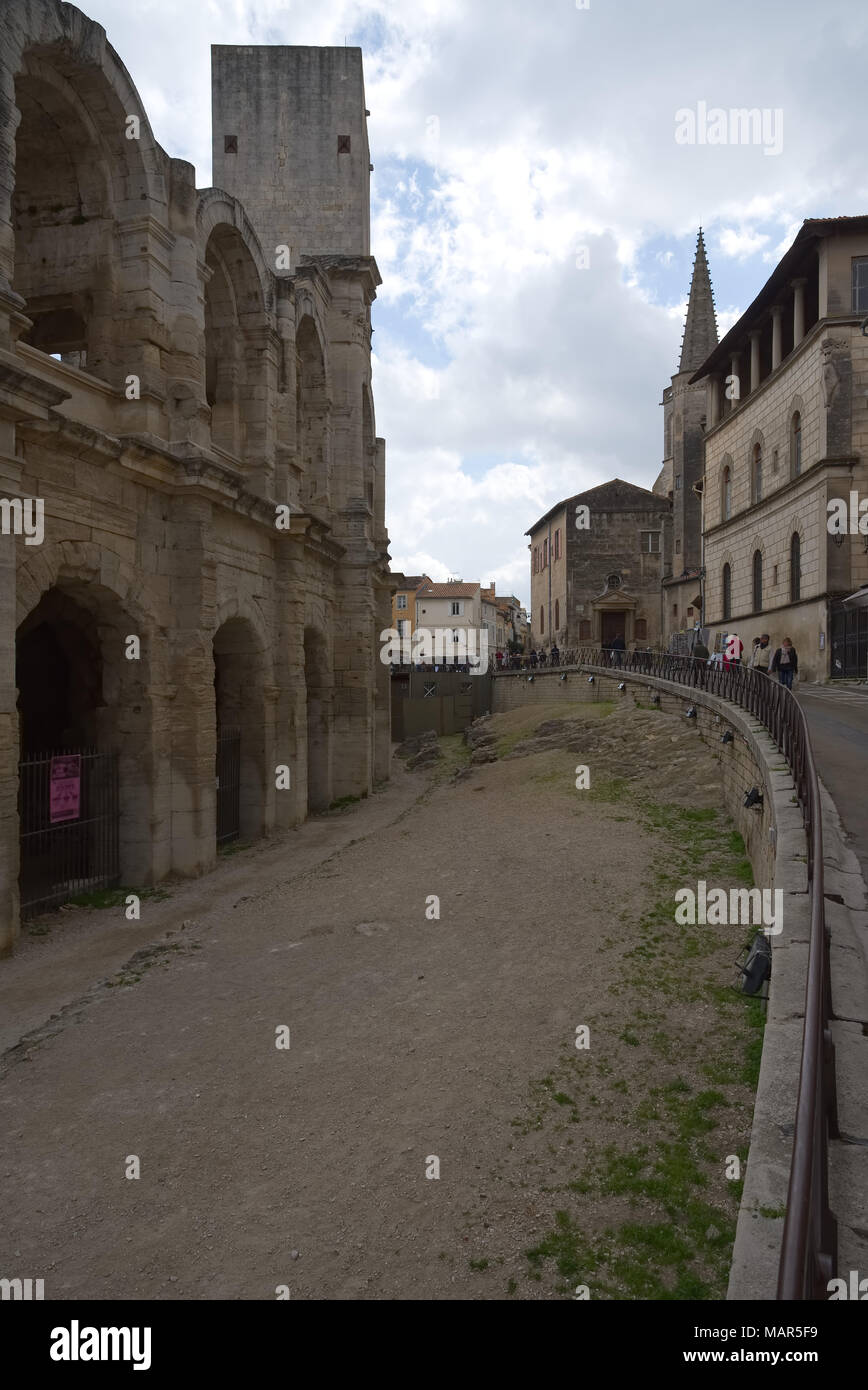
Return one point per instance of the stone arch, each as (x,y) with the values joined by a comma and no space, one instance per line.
(78,688)
(319,686)
(241,676)
(236,334)
(725,476)
(795,436)
(76,178)
(313,414)
(217,209)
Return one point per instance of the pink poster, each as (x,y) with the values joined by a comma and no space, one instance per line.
(65,783)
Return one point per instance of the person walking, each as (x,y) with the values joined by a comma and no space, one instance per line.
(555,654)
(533,657)
(700,651)
(762,653)
(732,650)
(618,647)
(786,662)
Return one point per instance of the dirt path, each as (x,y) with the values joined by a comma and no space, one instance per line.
(410,1039)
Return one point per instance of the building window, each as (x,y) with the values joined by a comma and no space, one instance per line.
(678,547)
(557,614)
(756,475)
(640,630)
(675,610)
(757,581)
(542,620)
(795,567)
(774,460)
(690,612)
(677,481)
(402,601)
(860,284)
(726,494)
(774,576)
(402,627)
(584,629)
(557,544)
(796,445)
(545,552)
(457,608)
(727,592)
(649,542)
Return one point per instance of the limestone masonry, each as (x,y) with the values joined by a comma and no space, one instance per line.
(185,383)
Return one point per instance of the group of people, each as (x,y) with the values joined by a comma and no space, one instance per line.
(515,661)
(784,661)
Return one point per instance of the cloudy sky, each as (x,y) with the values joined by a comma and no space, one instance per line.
(535,217)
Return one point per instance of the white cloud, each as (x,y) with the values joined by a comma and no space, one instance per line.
(505,377)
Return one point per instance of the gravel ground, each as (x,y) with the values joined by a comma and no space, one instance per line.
(412,1039)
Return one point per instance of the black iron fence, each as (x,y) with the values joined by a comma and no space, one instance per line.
(68,819)
(228,780)
(809,1245)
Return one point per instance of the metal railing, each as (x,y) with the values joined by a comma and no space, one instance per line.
(60,858)
(228,783)
(809,1243)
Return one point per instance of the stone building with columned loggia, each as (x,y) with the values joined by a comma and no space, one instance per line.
(786,433)
(185,395)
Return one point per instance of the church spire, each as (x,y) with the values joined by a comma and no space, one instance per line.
(700,327)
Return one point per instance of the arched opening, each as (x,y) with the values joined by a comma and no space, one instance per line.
(71,171)
(234,319)
(726,493)
(795,567)
(757,581)
(318,681)
(727,592)
(796,444)
(85,775)
(312,421)
(239,681)
(757,474)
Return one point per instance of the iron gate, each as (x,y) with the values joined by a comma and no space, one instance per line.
(62,858)
(848,633)
(228,777)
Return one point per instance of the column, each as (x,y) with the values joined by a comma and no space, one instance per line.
(777,311)
(798,309)
(755,335)
(735,386)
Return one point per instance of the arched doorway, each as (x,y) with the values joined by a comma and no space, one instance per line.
(240,721)
(85,779)
(313,426)
(318,680)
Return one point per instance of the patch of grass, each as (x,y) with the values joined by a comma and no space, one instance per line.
(116,897)
(479,1264)
(343,801)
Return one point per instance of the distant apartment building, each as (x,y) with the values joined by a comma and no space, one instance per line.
(455,604)
(507,625)
(786,435)
(404,602)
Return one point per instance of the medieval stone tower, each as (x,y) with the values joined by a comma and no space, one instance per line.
(683,431)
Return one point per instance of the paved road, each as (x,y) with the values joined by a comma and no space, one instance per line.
(838,720)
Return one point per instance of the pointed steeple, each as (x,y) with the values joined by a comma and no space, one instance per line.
(700,326)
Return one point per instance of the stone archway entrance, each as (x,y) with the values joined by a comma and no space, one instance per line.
(240,719)
(84,781)
(318,680)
